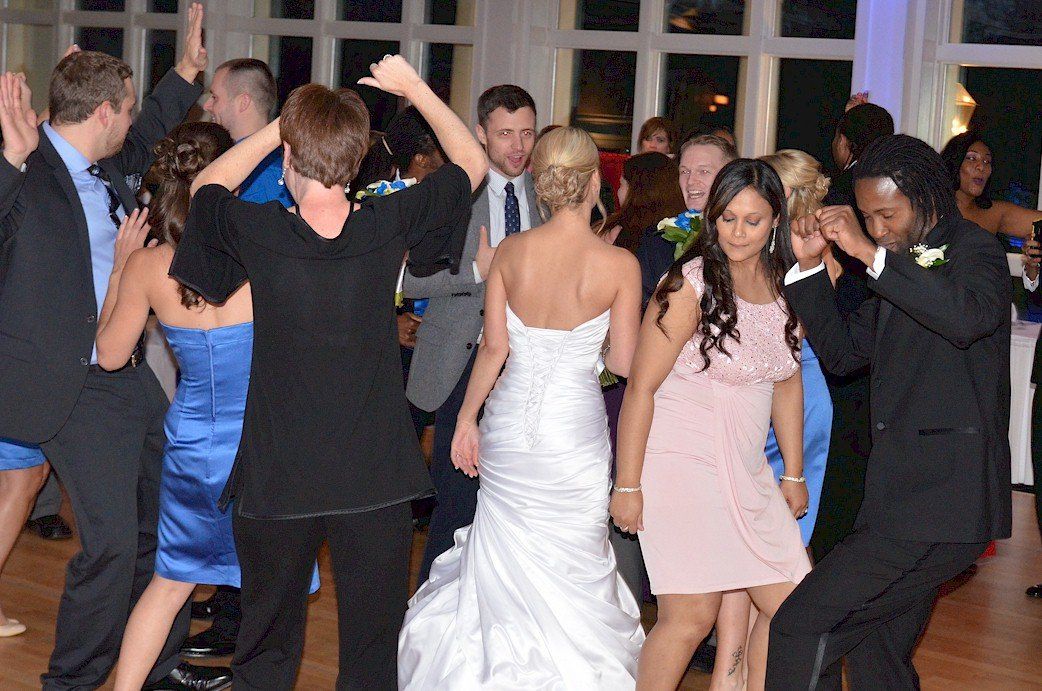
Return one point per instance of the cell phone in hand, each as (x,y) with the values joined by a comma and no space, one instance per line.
(1036,231)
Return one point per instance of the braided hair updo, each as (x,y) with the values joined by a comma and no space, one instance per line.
(189,148)
(564,162)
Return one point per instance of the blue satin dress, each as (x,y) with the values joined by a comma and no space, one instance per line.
(817,431)
(203,427)
(15,455)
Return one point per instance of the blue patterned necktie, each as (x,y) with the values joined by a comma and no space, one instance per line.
(511,211)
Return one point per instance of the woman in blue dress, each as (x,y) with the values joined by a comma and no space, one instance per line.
(805,187)
(213,345)
(23,470)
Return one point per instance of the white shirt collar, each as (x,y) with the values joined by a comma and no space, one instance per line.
(497,183)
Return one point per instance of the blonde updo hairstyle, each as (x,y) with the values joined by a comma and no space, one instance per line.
(564,163)
(801,173)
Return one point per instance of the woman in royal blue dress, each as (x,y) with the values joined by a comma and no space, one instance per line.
(23,470)
(805,186)
(213,345)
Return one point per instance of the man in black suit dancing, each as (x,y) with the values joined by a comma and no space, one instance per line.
(936,334)
(63,195)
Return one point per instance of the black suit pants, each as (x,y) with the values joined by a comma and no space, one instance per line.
(457,494)
(370,558)
(868,600)
(109,456)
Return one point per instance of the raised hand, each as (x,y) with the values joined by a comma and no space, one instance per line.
(1032,258)
(857,99)
(195,58)
(465,448)
(17,119)
(131,236)
(393,75)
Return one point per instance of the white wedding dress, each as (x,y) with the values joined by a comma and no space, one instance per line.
(529,597)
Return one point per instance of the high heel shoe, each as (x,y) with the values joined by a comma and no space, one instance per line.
(13,627)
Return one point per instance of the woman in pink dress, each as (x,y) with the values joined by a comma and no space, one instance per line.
(717,362)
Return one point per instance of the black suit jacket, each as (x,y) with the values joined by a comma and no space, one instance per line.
(937,341)
(48,310)
(655,256)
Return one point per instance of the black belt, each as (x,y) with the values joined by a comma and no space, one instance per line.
(136,358)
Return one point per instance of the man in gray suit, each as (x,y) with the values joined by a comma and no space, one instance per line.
(447,340)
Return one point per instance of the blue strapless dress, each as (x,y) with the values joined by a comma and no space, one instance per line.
(817,431)
(203,427)
(15,455)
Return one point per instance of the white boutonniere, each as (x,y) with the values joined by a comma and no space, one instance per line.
(928,257)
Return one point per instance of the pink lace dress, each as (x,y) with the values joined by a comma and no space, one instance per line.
(714,516)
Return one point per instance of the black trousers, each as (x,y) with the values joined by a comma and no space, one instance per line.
(109,457)
(370,557)
(457,494)
(1036,433)
(868,600)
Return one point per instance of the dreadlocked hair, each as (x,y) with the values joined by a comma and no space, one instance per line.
(918,171)
(719,312)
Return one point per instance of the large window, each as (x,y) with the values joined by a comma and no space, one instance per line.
(702,63)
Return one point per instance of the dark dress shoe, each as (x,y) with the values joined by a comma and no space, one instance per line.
(1034,591)
(50,527)
(206,609)
(208,643)
(186,677)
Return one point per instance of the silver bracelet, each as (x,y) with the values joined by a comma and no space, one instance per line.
(790,478)
(626,490)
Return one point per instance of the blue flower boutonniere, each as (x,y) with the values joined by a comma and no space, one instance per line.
(681,230)
(382,188)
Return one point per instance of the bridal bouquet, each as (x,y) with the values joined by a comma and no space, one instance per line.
(382,188)
(681,230)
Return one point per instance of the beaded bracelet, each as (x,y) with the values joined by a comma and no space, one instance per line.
(792,479)
(626,490)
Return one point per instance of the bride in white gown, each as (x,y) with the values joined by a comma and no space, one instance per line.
(529,597)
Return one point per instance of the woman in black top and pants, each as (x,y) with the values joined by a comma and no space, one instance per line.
(327,450)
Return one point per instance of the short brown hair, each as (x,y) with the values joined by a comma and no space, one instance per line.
(653,125)
(509,96)
(327,131)
(252,76)
(726,148)
(83,81)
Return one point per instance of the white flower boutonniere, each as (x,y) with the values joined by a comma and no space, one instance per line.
(928,257)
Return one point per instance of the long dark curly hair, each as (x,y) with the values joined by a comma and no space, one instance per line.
(719,318)
(189,148)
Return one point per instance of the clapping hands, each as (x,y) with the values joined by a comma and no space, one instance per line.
(17,119)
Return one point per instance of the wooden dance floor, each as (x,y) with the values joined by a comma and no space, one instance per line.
(984,635)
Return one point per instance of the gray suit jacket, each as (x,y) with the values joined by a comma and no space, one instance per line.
(454,317)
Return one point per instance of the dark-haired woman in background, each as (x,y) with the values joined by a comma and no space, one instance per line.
(213,344)
(716,363)
(969,160)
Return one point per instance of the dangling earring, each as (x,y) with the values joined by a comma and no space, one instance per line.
(282,178)
(774,233)
(347,188)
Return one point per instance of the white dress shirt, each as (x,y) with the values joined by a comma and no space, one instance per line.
(497,199)
(878,264)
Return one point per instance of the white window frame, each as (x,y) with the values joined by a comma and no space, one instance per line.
(761,46)
(939,53)
(230,26)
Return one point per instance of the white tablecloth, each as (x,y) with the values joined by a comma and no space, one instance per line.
(1021,360)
